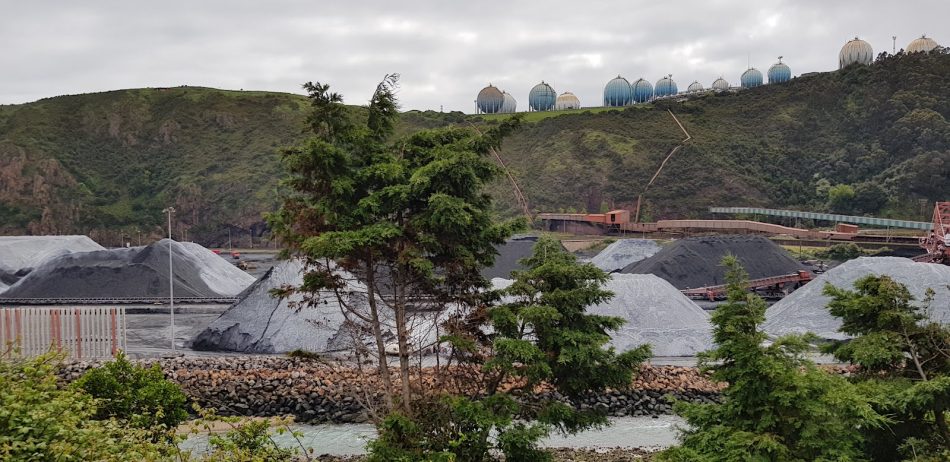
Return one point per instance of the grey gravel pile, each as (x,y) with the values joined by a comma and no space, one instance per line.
(655,313)
(805,310)
(696,262)
(623,253)
(20,254)
(133,272)
(259,322)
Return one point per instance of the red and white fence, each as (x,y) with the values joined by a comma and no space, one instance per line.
(81,333)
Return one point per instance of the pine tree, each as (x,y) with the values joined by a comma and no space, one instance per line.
(778,406)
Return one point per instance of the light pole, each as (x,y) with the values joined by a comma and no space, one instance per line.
(171,276)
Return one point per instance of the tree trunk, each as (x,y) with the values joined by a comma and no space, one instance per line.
(403,336)
(377,332)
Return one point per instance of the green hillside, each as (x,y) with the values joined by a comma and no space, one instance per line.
(869,140)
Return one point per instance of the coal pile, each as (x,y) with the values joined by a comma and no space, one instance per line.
(20,254)
(624,252)
(805,310)
(696,262)
(133,272)
(508,256)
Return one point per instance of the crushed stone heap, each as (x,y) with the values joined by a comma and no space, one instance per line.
(133,272)
(655,313)
(696,262)
(259,322)
(623,253)
(805,310)
(20,254)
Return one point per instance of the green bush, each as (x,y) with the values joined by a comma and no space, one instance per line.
(249,441)
(39,421)
(843,252)
(138,395)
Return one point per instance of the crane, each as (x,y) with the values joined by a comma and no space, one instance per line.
(937,243)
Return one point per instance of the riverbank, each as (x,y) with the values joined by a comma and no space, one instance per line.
(318,392)
(560,455)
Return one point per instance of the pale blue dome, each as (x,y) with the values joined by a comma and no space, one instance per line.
(751,78)
(490,100)
(617,92)
(642,91)
(665,87)
(780,72)
(542,97)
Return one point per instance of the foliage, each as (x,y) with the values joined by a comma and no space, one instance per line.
(778,406)
(411,211)
(136,394)
(248,441)
(543,335)
(461,429)
(546,334)
(40,421)
(843,252)
(905,359)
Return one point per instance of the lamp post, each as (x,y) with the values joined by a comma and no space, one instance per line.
(171,276)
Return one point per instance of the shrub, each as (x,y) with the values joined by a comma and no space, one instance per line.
(138,395)
(39,421)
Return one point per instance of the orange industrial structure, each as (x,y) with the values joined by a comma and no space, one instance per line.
(619,221)
(773,285)
(937,243)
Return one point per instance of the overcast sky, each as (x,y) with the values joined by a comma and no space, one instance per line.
(445,50)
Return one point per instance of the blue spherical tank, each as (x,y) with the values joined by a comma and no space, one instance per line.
(665,87)
(779,72)
(542,97)
(751,78)
(490,100)
(618,92)
(642,91)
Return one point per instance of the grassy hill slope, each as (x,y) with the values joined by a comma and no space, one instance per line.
(871,139)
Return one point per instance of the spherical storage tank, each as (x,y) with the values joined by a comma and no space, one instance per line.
(490,100)
(695,86)
(855,51)
(720,84)
(617,92)
(922,45)
(567,100)
(665,87)
(642,91)
(542,97)
(780,72)
(509,105)
(751,78)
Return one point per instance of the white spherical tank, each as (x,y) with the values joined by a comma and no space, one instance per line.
(720,84)
(567,100)
(508,105)
(694,87)
(856,51)
(922,45)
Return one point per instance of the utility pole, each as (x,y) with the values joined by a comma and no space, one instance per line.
(171,275)
(894,38)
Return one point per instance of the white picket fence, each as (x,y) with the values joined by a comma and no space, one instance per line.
(80,333)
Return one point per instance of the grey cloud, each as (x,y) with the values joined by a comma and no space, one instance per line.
(445,50)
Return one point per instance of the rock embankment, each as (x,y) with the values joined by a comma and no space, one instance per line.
(316,392)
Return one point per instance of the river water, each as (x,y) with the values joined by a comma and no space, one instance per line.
(350,439)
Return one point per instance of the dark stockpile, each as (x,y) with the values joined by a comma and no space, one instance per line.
(133,272)
(509,253)
(696,262)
